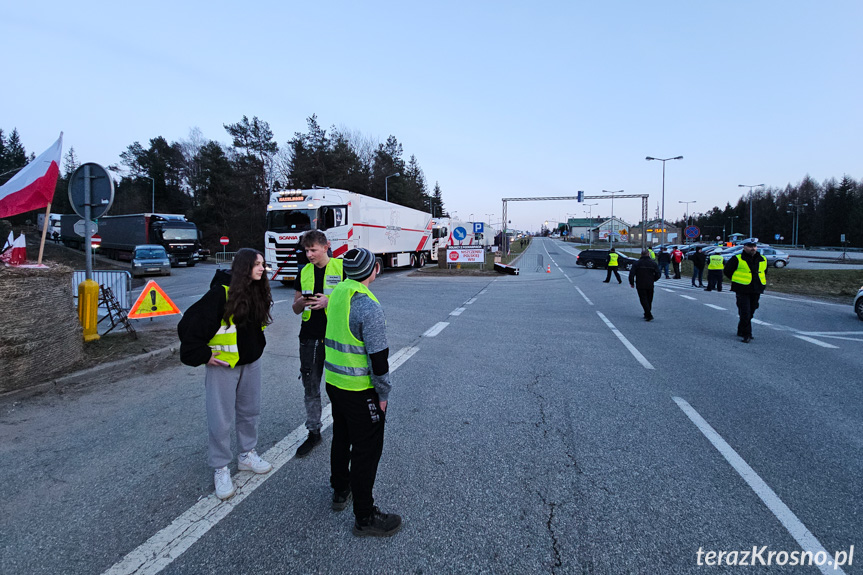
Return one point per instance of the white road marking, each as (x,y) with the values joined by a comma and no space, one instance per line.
(668,290)
(635,353)
(281,301)
(688,297)
(815,341)
(457,311)
(716,307)
(578,289)
(759,322)
(164,547)
(470,301)
(435,329)
(792,524)
(483,291)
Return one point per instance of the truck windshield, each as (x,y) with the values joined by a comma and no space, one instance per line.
(438,233)
(172,234)
(290,220)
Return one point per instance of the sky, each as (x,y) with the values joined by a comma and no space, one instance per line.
(495,99)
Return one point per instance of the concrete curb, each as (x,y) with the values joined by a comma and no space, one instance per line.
(102,373)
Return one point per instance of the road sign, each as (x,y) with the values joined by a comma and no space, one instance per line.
(466,255)
(223,240)
(477,227)
(152,302)
(96,240)
(101,190)
(79,228)
(459,233)
(692,232)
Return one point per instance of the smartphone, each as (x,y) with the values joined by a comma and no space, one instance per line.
(309,295)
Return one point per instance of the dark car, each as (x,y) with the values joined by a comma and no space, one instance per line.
(598,258)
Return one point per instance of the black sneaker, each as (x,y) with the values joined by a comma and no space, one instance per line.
(377,524)
(309,444)
(340,499)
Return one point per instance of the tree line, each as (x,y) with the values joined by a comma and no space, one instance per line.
(225,189)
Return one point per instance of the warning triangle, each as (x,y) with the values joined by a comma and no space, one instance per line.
(152,302)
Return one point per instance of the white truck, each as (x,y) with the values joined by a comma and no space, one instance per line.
(452,232)
(398,236)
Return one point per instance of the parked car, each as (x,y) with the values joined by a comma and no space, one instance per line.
(776,258)
(598,258)
(150,259)
(858,303)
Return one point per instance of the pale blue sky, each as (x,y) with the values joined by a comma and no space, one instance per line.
(496,99)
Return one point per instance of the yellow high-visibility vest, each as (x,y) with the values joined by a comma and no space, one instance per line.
(612,260)
(332,276)
(346,363)
(743,275)
(715,262)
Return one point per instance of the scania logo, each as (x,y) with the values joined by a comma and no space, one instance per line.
(289,238)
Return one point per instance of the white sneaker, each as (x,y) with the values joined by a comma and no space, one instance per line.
(251,461)
(224,486)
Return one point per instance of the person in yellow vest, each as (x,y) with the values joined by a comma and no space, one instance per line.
(356,370)
(612,264)
(715,265)
(224,330)
(748,273)
(651,253)
(313,287)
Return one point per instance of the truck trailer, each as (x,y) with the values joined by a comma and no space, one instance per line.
(398,236)
(120,235)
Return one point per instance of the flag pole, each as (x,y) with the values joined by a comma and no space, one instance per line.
(44,231)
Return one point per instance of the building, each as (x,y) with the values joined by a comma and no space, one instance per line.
(653,233)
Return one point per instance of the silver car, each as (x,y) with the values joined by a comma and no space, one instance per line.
(858,303)
(774,257)
(150,259)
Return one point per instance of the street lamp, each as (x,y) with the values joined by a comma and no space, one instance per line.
(663,160)
(386,186)
(732,218)
(611,235)
(796,228)
(750,202)
(153,196)
(687,210)
(590,230)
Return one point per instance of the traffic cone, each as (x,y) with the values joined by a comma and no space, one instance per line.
(548,270)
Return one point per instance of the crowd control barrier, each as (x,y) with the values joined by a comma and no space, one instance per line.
(119,281)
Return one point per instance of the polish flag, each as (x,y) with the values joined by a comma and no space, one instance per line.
(18,254)
(32,187)
(9,242)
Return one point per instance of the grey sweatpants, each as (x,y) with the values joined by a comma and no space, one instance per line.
(311,372)
(232,394)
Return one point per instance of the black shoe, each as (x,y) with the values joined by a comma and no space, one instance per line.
(707,289)
(309,444)
(340,499)
(649,318)
(605,281)
(747,339)
(377,524)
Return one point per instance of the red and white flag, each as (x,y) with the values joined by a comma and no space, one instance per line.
(18,254)
(33,187)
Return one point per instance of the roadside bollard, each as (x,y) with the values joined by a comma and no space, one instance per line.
(88,308)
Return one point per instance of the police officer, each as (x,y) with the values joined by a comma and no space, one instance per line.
(748,274)
(715,266)
(612,264)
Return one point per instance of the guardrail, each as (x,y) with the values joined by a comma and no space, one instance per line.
(119,281)
(225,257)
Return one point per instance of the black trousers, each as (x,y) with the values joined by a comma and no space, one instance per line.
(714,280)
(676,266)
(358,441)
(747,303)
(645,296)
(608,275)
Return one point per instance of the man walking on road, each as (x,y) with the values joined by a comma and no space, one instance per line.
(698,259)
(313,287)
(644,272)
(748,274)
(357,376)
(676,259)
(612,265)
(664,260)
(715,265)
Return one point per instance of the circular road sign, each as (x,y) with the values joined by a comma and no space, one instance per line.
(223,240)
(459,233)
(101,190)
(692,232)
(96,240)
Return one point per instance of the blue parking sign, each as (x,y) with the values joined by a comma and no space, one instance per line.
(477,227)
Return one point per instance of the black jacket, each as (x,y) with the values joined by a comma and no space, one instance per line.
(644,273)
(698,259)
(201,322)
(663,258)
(731,266)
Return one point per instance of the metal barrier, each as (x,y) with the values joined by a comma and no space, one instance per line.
(225,257)
(119,281)
(539,265)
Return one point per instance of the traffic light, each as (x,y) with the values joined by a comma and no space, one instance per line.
(580,196)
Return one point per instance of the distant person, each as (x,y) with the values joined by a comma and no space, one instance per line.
(358,383)
(664,260)
(715,266)
(55,235)
(642,276)
(652,254)
(313,287)
(224,330)
(676,259)
(748,274)
(612,263)
(698,261)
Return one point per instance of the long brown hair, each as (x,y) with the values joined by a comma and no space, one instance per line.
(249,301)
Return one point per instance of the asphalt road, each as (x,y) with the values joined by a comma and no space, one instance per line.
(546,428)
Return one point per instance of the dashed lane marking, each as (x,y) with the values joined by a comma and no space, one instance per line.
(470,301)
(435,329)
(688,297)
(635,353)
(716,307)
(815,341)
(578,289)
(668,290)
(789,520)
(457,311)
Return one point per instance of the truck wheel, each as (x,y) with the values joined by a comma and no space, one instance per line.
(422,261)
(380,263)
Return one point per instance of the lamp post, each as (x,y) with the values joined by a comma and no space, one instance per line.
(663,160)
(732,218)
(386,185)
(153,195)
(590,230)
(750,202)
(611,235)
(687,210)
(796,228)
